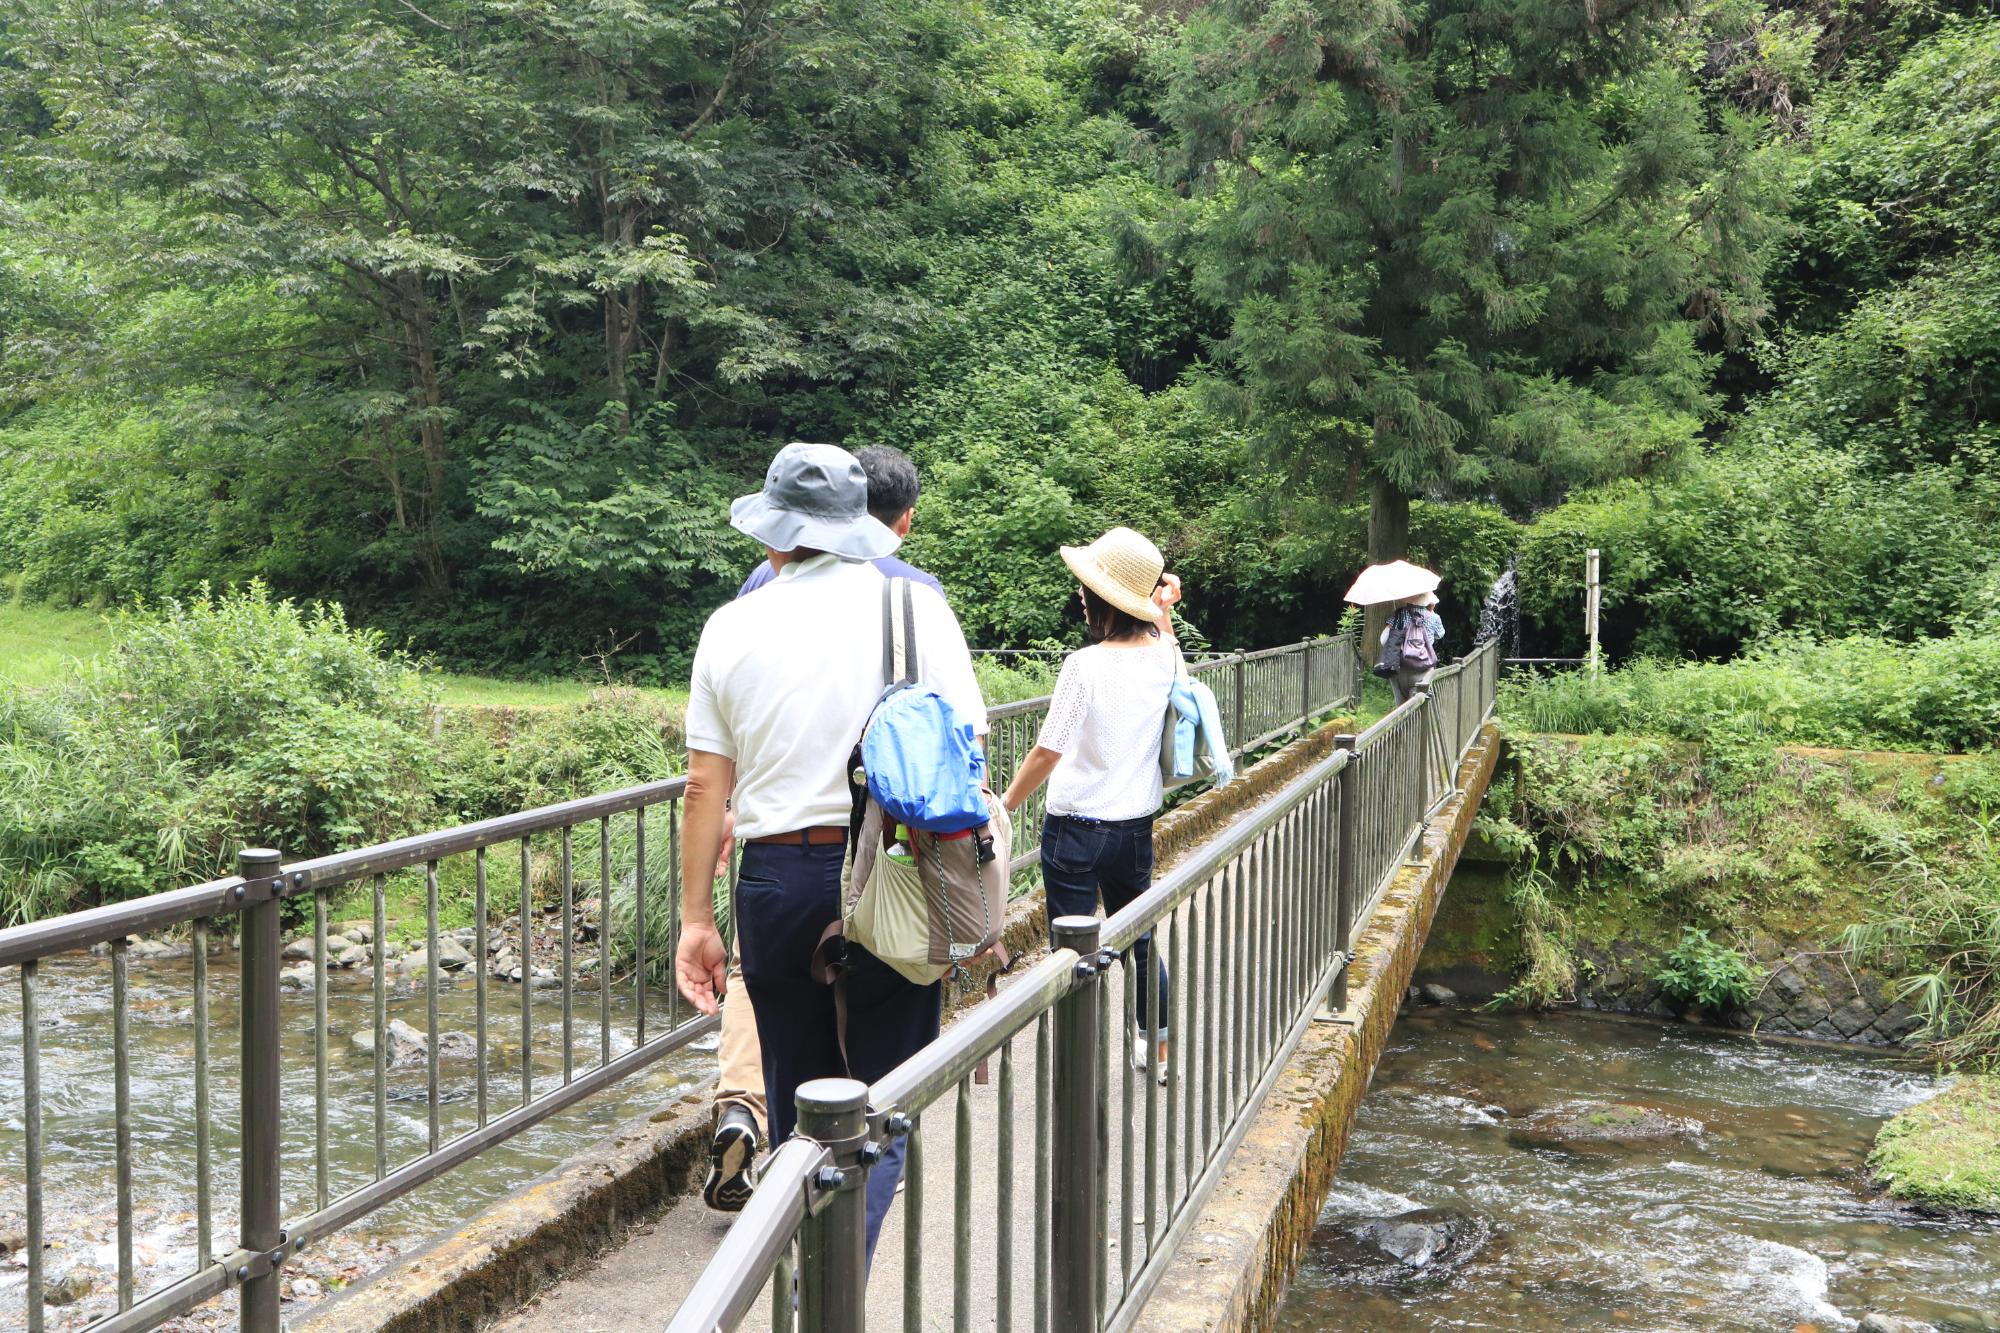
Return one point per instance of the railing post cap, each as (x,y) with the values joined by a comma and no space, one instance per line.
(1076,932)
(831,1096)
(1346,740)
(260,856)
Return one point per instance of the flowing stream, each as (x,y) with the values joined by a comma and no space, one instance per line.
(79,1121)
(1454,1208)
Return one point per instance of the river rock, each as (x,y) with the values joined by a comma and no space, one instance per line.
(1420,1245)
(70,1288)
(1889,1323)
(302,947)
(1607,1123)
(407,1046)
(144,950)
(354,955)
(305,1289)
(457,1046)
(507,961)
(453,956)
(12,1242)
(1436,994)
(361,932)
(416,962)
(297,978)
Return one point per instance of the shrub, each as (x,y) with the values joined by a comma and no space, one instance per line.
(1706,973)
(495,760)
(218,722)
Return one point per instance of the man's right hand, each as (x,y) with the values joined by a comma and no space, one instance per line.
(701,967)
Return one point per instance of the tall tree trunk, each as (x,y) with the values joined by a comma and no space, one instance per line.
(420,334)
(1388,539)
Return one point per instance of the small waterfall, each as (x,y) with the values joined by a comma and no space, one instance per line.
(1500,614)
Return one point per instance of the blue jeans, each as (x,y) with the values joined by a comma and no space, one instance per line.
(786,896)
(1087,859)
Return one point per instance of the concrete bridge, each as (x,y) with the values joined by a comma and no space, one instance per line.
(1050,1184)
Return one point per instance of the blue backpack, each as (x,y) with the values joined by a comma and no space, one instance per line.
(925,767)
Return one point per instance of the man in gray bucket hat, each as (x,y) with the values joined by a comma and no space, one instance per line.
(783,683)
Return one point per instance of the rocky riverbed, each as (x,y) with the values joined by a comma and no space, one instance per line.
(1576,1171)
(80,1260)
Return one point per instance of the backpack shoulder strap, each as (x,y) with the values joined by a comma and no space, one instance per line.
(899,633)
(889,672)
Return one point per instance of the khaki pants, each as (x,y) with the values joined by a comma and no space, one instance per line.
(740,1080)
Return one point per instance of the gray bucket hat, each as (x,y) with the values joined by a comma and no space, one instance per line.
(814,495)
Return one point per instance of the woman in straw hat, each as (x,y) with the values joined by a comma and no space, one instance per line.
(1099,751)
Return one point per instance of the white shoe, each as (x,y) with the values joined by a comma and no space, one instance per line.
(1139,1045)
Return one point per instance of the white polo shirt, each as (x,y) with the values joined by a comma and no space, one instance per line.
(785,677)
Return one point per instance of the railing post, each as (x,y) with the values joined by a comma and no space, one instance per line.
(1078,1135)
(833,1251)
(1305,681)
(258,1202)
(1427,727)
(1242,740)
(1347,785)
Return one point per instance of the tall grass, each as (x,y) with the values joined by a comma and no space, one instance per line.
(1939,923)
(1937,695)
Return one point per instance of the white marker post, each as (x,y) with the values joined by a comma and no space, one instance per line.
(1591,591)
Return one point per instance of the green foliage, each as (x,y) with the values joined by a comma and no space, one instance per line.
(1937,694)
(1707,973)
(493,761)
(1463,247)
(216,723)
(1939,923)
(1945,1152)
(1548,974)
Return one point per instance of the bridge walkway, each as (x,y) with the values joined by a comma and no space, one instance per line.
(985,1215)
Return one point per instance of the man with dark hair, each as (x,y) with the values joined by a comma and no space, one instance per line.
(892,502)
(742,1122)
(783,683)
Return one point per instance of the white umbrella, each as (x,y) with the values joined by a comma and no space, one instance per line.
(1391,583)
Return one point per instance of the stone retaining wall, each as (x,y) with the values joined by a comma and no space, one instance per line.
(1805,993)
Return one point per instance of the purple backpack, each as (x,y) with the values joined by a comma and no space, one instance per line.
(1413,640)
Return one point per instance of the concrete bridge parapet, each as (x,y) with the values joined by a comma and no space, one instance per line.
(1232,1271)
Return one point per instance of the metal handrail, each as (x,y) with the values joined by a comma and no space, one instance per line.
(1263,688)
(1283,888)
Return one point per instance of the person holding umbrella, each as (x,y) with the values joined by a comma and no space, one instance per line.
(1411,622)
(1410,639)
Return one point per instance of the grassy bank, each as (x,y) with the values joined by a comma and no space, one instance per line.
(1699,869)
(1945,1152)
(42,645)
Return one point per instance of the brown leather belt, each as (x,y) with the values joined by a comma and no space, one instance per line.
(820,835)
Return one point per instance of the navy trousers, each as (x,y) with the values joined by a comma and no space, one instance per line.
(786,896)
(1085,859)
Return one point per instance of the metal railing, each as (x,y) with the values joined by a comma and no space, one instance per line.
(1262,695)
(285,1192)
(1255,932)
(275,1181)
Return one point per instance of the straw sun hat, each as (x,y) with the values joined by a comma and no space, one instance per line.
(1122,567)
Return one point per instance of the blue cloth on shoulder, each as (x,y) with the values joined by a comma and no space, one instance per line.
(1201,749)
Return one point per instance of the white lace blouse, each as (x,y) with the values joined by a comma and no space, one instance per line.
(1105,720)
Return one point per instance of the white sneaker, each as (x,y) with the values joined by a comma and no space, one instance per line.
(1139,1045)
